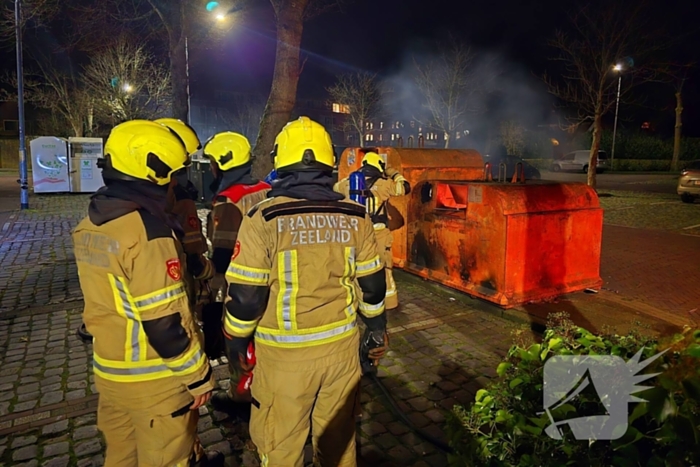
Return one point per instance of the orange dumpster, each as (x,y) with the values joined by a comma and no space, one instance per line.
(508,243)
(416,165)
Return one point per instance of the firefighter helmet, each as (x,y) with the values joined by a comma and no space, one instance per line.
(185,132)
(228,150)
(375,160)
(143,150)
(303,145)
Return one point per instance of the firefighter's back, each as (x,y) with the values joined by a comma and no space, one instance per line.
(104,255)
(316,250)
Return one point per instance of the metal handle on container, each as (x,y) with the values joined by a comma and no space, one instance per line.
(519,172)
(488,175)
(502,172)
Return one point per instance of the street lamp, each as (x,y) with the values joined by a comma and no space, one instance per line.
(23,178)
(618,69)
(127,88)
(211,6)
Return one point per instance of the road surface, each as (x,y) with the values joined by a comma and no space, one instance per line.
(631,181)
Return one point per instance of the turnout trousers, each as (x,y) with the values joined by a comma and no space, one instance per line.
(289,398)
(147,436)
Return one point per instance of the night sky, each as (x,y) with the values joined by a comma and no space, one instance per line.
(380,35)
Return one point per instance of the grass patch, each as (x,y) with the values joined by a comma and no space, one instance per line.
(649,211)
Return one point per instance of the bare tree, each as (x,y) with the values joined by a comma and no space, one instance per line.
(290,17)
(36,12)
(675,76)
(244,115)
(449,85)
(362,93)
(59,93)
(600,39)
(179,25)
(512,136)
(126,82)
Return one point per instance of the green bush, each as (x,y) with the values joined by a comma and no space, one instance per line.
(503,428)
(630,145)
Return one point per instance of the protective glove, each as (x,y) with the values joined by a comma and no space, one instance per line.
(378,353)
(194,264)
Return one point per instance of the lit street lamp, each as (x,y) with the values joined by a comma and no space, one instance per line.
(211,7)
(23,177)
(127,88)
(617,68)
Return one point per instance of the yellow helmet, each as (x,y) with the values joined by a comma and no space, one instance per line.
(303,145)
(143,150)
(375,160)
(228,150)
(185,132)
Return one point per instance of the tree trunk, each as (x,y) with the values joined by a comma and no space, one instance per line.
(677,132)
(595,147)
(447,140)
(178,73)
(280,103)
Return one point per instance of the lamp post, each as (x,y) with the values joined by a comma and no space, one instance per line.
(617,68)
(187,74)
(23,178)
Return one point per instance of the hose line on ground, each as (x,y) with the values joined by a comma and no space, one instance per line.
(397,410)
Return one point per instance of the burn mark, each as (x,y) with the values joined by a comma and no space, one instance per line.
(421,254)
(487,287)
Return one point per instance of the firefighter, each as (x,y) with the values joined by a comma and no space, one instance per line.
(291,287)
(236,192)
(182,195)
(150,371)
(383,183)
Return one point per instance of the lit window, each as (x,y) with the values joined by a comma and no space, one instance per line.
(341,109)
(393,136)
(420,128)
(369,138)
(381,125)
(398,123)
(381,137)
(445,136)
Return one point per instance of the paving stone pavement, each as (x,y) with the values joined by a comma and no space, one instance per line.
(442,352)
(36,256)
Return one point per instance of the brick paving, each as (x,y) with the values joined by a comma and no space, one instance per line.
(48,400)
(442,349)
(659,268)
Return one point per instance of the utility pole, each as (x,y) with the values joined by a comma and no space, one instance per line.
(617,107)
(189,100)
(23,178)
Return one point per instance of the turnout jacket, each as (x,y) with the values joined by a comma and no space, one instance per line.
(291,278)
(136,305)
(381,189)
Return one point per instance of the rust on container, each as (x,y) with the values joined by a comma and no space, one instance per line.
(416,165)
(508,242)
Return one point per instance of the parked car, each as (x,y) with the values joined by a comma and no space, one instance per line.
(531,172)
(689,182)
(578,161)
